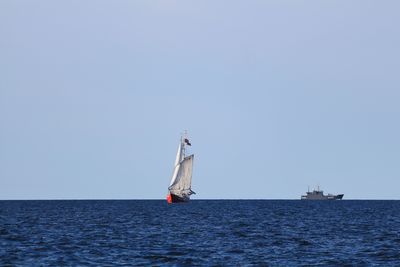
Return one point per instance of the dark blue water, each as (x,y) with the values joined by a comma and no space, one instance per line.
(218,232)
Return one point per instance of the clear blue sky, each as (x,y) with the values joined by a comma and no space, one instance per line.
(276,95)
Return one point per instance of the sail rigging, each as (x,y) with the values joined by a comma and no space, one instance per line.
(181,180)
(178,159)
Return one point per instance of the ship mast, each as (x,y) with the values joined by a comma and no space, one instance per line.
(183,138)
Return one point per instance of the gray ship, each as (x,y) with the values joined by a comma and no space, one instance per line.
(319,195)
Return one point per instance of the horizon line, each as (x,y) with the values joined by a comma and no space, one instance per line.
(162,199)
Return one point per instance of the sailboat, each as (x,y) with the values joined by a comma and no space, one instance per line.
(179,189)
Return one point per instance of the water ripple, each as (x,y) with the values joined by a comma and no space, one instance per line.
(262,233)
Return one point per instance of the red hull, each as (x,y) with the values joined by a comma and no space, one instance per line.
(171,198)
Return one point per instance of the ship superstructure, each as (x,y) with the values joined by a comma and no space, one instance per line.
(319,195)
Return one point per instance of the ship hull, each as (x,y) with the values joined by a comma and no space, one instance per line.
(172,198)
(329,197)
(319,195)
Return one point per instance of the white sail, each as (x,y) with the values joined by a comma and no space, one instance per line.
(174,174)
(182,183)
(179,155)
(177,163)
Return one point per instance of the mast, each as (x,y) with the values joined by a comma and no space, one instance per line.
(183,147)
(180,155)
(182,176)
(184,137)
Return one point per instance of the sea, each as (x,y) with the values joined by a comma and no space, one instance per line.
(200,233)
